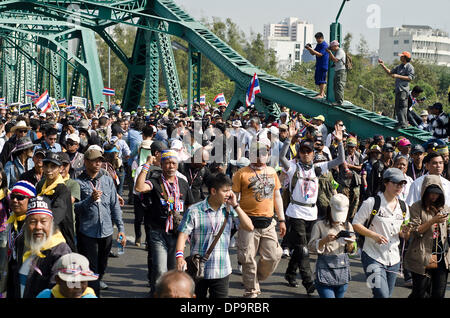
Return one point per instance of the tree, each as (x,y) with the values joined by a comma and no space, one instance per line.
(347,42)
(363,47)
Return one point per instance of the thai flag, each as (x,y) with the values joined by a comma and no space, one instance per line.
(220,100)
(61,101)
(163,103)
(108,91)
(31,93)
(202,99)
(2,101)
(252,90)
(71,108)
(43,102)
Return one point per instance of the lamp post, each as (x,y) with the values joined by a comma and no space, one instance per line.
(373,97)
(335,34)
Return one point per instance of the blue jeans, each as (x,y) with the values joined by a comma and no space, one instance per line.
(162,249)
(380,277)
(326,291)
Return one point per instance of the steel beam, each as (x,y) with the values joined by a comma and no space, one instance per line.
(151,71)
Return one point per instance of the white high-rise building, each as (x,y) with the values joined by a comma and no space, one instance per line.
(425,43)
(288,39)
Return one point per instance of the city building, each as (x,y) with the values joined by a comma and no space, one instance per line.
(425,43)
(288,39)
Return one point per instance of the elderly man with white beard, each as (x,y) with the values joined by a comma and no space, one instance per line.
(43,245)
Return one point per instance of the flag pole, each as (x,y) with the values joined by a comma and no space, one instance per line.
(109,75)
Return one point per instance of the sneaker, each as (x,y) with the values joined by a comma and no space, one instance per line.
(239,269)
(103,285)
(112,254)
(286,253)
(250,295)
(408,283)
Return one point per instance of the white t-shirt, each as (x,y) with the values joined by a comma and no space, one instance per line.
(386,223)
(341,56)
(406,188)
(415,190)
(298,194)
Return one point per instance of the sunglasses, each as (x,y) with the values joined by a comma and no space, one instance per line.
(72,143)
(18,197)
(305,150)
(22,131)
(400,184)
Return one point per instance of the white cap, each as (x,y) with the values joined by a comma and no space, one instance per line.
(176,145)
(339,204)
(42,115)
(274,130)
(73,137)
(96,147)
(236,123)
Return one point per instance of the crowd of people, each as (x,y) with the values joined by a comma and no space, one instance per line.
(286,187)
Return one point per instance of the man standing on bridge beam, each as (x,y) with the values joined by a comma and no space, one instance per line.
(403,74)
(322,56)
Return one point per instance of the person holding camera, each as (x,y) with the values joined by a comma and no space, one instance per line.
(320,51)
(427,257)
(338,56)
(332,238)
(382,224)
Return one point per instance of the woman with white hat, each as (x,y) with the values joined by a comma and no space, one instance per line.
(332,238)
(19,130)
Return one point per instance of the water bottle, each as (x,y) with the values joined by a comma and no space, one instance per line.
(120,248)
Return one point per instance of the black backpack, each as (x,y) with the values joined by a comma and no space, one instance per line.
(376,207)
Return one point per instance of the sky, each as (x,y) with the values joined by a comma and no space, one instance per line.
(359,17)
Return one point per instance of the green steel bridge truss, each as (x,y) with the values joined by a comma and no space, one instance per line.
(43,41)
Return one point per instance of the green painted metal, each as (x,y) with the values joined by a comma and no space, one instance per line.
(151,70)
(136,72)
(194,76)
(94,76)
(55,63)
(169,71)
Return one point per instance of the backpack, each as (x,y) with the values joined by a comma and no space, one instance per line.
(287,193)
(376,207)
(348,61)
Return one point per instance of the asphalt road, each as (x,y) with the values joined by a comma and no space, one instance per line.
(126,276)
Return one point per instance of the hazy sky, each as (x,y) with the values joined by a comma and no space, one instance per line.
(358,16)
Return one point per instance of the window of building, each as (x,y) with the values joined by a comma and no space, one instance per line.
(297,55)
(395,53)
(406,41)
(395,42)
(297,46)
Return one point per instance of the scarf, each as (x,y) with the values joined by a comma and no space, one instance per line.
(57,293)
(53,241)
(306,166)
(66,178)
(49,189)
(3,193)
(294,150)
(13,219)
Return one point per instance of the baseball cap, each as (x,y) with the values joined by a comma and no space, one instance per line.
(39,151)
(74,137)
(424,113)
(52,157)
(394,175)
(241,162)
(307,144)
(417,149)
(74,267)
(64,157)
(236,123)
(339,204)
(404,142)
(93,153)
(320,117)
(375,148)
(388,147)
(405,53)
(352,142)
(333,43)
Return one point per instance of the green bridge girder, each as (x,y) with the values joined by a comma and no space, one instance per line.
(165,17)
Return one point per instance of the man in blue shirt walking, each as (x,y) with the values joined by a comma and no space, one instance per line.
(322,56)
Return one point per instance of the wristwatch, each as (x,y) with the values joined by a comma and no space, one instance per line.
(282,221)
(236,206)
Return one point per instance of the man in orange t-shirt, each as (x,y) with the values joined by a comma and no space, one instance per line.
(258,188)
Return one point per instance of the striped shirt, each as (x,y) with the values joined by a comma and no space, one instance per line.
(201,222)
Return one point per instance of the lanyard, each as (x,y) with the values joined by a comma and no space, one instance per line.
(193,178)
(265,181)
(214,225)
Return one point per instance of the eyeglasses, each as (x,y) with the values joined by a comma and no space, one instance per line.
(341,125)
(18,197)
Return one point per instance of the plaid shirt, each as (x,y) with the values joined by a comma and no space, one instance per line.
(201,222)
